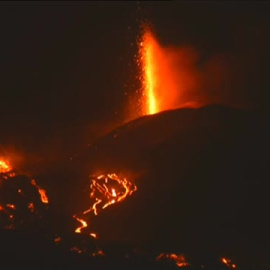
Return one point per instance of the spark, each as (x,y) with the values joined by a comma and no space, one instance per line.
(98,253)
(57,240)
(83,222)
(228,263)
(31,207)
(94,235)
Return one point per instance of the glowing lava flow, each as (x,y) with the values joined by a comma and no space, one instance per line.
(105,190)
(4,166)
(41,192)
(84,225)
(6,170)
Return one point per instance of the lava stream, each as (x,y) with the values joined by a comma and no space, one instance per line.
(41,192)
(105,190)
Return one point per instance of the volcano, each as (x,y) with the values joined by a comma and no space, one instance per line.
(202,180)
(202,186)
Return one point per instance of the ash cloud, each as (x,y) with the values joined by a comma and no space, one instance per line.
(234,78)
(215,54)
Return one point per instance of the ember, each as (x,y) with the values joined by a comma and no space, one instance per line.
(180,260)
(76,249)
(4,166)
(94,235)
(228,263)
(57,240)
(6,170)
(31,207)
(84,225)
(41,191)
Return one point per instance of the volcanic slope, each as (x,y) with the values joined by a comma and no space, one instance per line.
(202,177)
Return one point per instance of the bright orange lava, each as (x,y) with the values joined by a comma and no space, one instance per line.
(83,222)
(41,192)
(4,166)
(94,235)
(105,190)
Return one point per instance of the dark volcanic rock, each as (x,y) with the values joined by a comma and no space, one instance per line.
(202,177)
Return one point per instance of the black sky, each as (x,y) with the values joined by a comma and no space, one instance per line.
(65,66)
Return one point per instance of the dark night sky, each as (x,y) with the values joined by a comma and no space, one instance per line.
(64,65)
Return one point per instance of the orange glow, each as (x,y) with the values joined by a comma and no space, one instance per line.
(83,222)
(94,235)
(11,206)
(41,191)
(228,263)
(76,249)
(104,195)
(180,260)
(10,209)
(98,253)
(57,240)
(105,190)
(113,193)
(31,207)
(168,75)
(4,166)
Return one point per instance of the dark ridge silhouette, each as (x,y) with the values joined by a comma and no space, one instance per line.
(203,184)
(202,177)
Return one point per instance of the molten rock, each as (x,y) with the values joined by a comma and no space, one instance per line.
(22,202)
(202,178)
